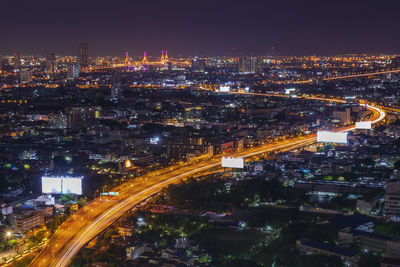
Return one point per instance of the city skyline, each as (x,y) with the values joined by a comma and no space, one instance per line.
(226,28)
(200,133)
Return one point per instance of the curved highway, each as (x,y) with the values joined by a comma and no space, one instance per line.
(97,215)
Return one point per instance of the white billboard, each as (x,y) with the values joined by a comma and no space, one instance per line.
(290,91)
(332,137)
(227,162)
(363,125)
(224,89)
(62,185)
(51,185)
(72,185)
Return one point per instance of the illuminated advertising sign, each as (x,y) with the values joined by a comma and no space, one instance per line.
(332,137)
(363,125)
(62,185)
(154,140)
(290,91)
(227,162)
(224,89)
(71,185)
(110,194)
(51,185)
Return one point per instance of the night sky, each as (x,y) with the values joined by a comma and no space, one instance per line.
(203,28)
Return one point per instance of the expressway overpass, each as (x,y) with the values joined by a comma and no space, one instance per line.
(352,76)
(361,75)
(97,215)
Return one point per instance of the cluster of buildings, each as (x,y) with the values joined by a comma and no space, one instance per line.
(355,230)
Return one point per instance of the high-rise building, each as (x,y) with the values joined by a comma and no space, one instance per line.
(25,75)
(198,65)
(82,116)
(83,55)
(51,64)
(343,115)
(116,91)
(250,65)
(73,71)
(2,63)
(392,198)
(17,60)
(58,121)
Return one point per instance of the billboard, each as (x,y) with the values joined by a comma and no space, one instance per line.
(363,125)
(51,185)
(332,137)
(290,91)
(227,162)
(62,185)
(224,89)
(71,185)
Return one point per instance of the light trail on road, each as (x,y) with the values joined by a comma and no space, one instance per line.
(97,215)
(360,75)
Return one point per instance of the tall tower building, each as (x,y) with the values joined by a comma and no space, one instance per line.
(51,64)
(198,65)
(25,75)
(116,90)
(17,60)
(73,71)
(250,65)
(2,63)
(83,55)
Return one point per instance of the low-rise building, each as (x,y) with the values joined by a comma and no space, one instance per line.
(132,253)
(368,201)
(390,262)
(312,247)
(26,220)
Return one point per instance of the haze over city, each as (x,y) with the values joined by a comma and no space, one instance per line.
(200,28)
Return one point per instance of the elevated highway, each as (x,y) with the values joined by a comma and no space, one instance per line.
(97,215)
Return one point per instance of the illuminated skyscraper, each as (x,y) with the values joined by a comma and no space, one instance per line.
(25,75)
(250,65)
(3,63)
(116,91)
(198,65)
(83,55)
(73,71)
(51,64)
(17,60)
